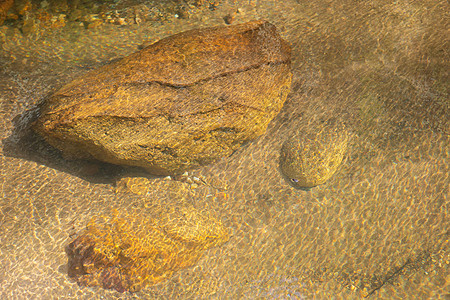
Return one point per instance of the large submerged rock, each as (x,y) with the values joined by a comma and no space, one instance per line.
(180,103)
(129,252)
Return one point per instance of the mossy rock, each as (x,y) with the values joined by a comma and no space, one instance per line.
(180,103)
(312,155)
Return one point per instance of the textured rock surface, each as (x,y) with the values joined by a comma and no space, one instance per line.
(129,252)
(311,156)
(180,103)
(5,5)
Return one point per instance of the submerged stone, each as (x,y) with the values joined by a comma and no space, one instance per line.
(129,252)
(310,156)
(182,102)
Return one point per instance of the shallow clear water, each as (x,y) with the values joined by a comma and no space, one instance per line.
(379,226)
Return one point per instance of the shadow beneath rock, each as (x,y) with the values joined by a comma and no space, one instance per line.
(292,181)
(26,144)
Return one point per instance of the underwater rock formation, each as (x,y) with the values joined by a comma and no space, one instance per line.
(312,155)
(182,102)
(5,5)
(128,252)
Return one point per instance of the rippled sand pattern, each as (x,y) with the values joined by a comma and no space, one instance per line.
(378,227)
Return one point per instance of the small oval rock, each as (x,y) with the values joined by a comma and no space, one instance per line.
(310,156)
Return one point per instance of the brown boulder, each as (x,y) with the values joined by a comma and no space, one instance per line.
(128,252)
(182,102)
(5,5)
